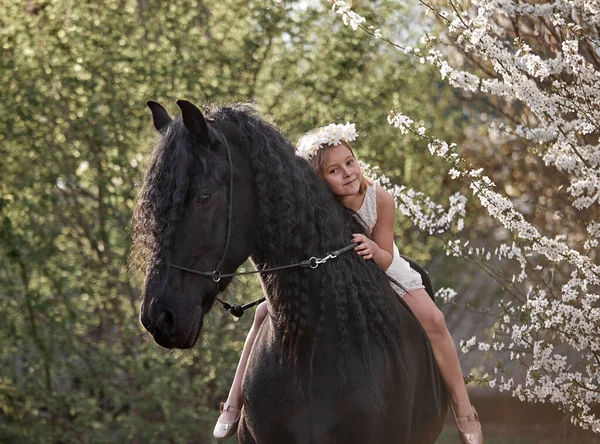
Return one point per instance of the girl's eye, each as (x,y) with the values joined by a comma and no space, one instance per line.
(204,199)
(333,171)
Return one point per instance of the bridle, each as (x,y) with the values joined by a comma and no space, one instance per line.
(215,275)
(238,310)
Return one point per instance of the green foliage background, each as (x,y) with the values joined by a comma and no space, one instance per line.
(75,364)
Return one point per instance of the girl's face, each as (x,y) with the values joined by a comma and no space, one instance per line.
(341,171)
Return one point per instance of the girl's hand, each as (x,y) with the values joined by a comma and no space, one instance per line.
(366,247)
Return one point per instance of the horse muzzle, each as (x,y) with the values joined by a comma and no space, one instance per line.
(169,329)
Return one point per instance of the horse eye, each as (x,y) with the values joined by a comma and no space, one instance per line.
(204,199)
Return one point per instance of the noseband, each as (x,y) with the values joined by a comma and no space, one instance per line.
(215,275)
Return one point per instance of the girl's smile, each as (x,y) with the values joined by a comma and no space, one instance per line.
(342,171)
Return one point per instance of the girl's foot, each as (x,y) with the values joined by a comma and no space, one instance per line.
(469,427)
(227,423)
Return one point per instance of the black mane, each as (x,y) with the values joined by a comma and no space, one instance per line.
(299,212)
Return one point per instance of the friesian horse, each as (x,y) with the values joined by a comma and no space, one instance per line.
(340,359)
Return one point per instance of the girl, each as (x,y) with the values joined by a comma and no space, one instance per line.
(328,151)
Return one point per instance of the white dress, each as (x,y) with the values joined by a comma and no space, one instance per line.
(399,269)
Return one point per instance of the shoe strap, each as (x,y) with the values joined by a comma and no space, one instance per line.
(473,416)
(228,408)
(469,418)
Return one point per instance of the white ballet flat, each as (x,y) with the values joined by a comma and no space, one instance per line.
(226,429)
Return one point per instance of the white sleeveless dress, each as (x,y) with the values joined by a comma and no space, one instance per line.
(399,269)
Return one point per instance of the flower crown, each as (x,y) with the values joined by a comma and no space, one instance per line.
(332,134)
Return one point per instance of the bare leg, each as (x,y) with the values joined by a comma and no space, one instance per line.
(432,320)
(234,398)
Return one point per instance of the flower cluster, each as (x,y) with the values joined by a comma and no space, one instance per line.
(332,134)
(349,17)
(429,216)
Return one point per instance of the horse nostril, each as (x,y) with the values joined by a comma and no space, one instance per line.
(165,321)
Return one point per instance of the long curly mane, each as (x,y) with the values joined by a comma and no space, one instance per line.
(298,218)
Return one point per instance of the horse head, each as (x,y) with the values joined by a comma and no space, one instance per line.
(187,215)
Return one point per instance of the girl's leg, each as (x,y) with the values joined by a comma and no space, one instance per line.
(434,324)
(234,399)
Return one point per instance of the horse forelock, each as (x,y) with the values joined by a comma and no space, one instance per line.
(178,168)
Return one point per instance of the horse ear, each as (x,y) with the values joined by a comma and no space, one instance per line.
(160,116)
(194,120)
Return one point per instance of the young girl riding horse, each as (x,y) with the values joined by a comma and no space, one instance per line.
(328,151)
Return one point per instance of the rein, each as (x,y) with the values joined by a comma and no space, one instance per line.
(238,310)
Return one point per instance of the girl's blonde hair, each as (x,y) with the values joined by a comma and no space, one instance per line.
(318,163)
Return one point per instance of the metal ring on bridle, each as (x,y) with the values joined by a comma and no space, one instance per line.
(216,276)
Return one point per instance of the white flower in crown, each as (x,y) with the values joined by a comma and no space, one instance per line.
(332,134)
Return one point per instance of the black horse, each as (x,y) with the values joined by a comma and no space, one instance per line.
(340,358)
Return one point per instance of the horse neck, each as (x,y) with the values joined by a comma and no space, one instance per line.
(294,293)
(285,289)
